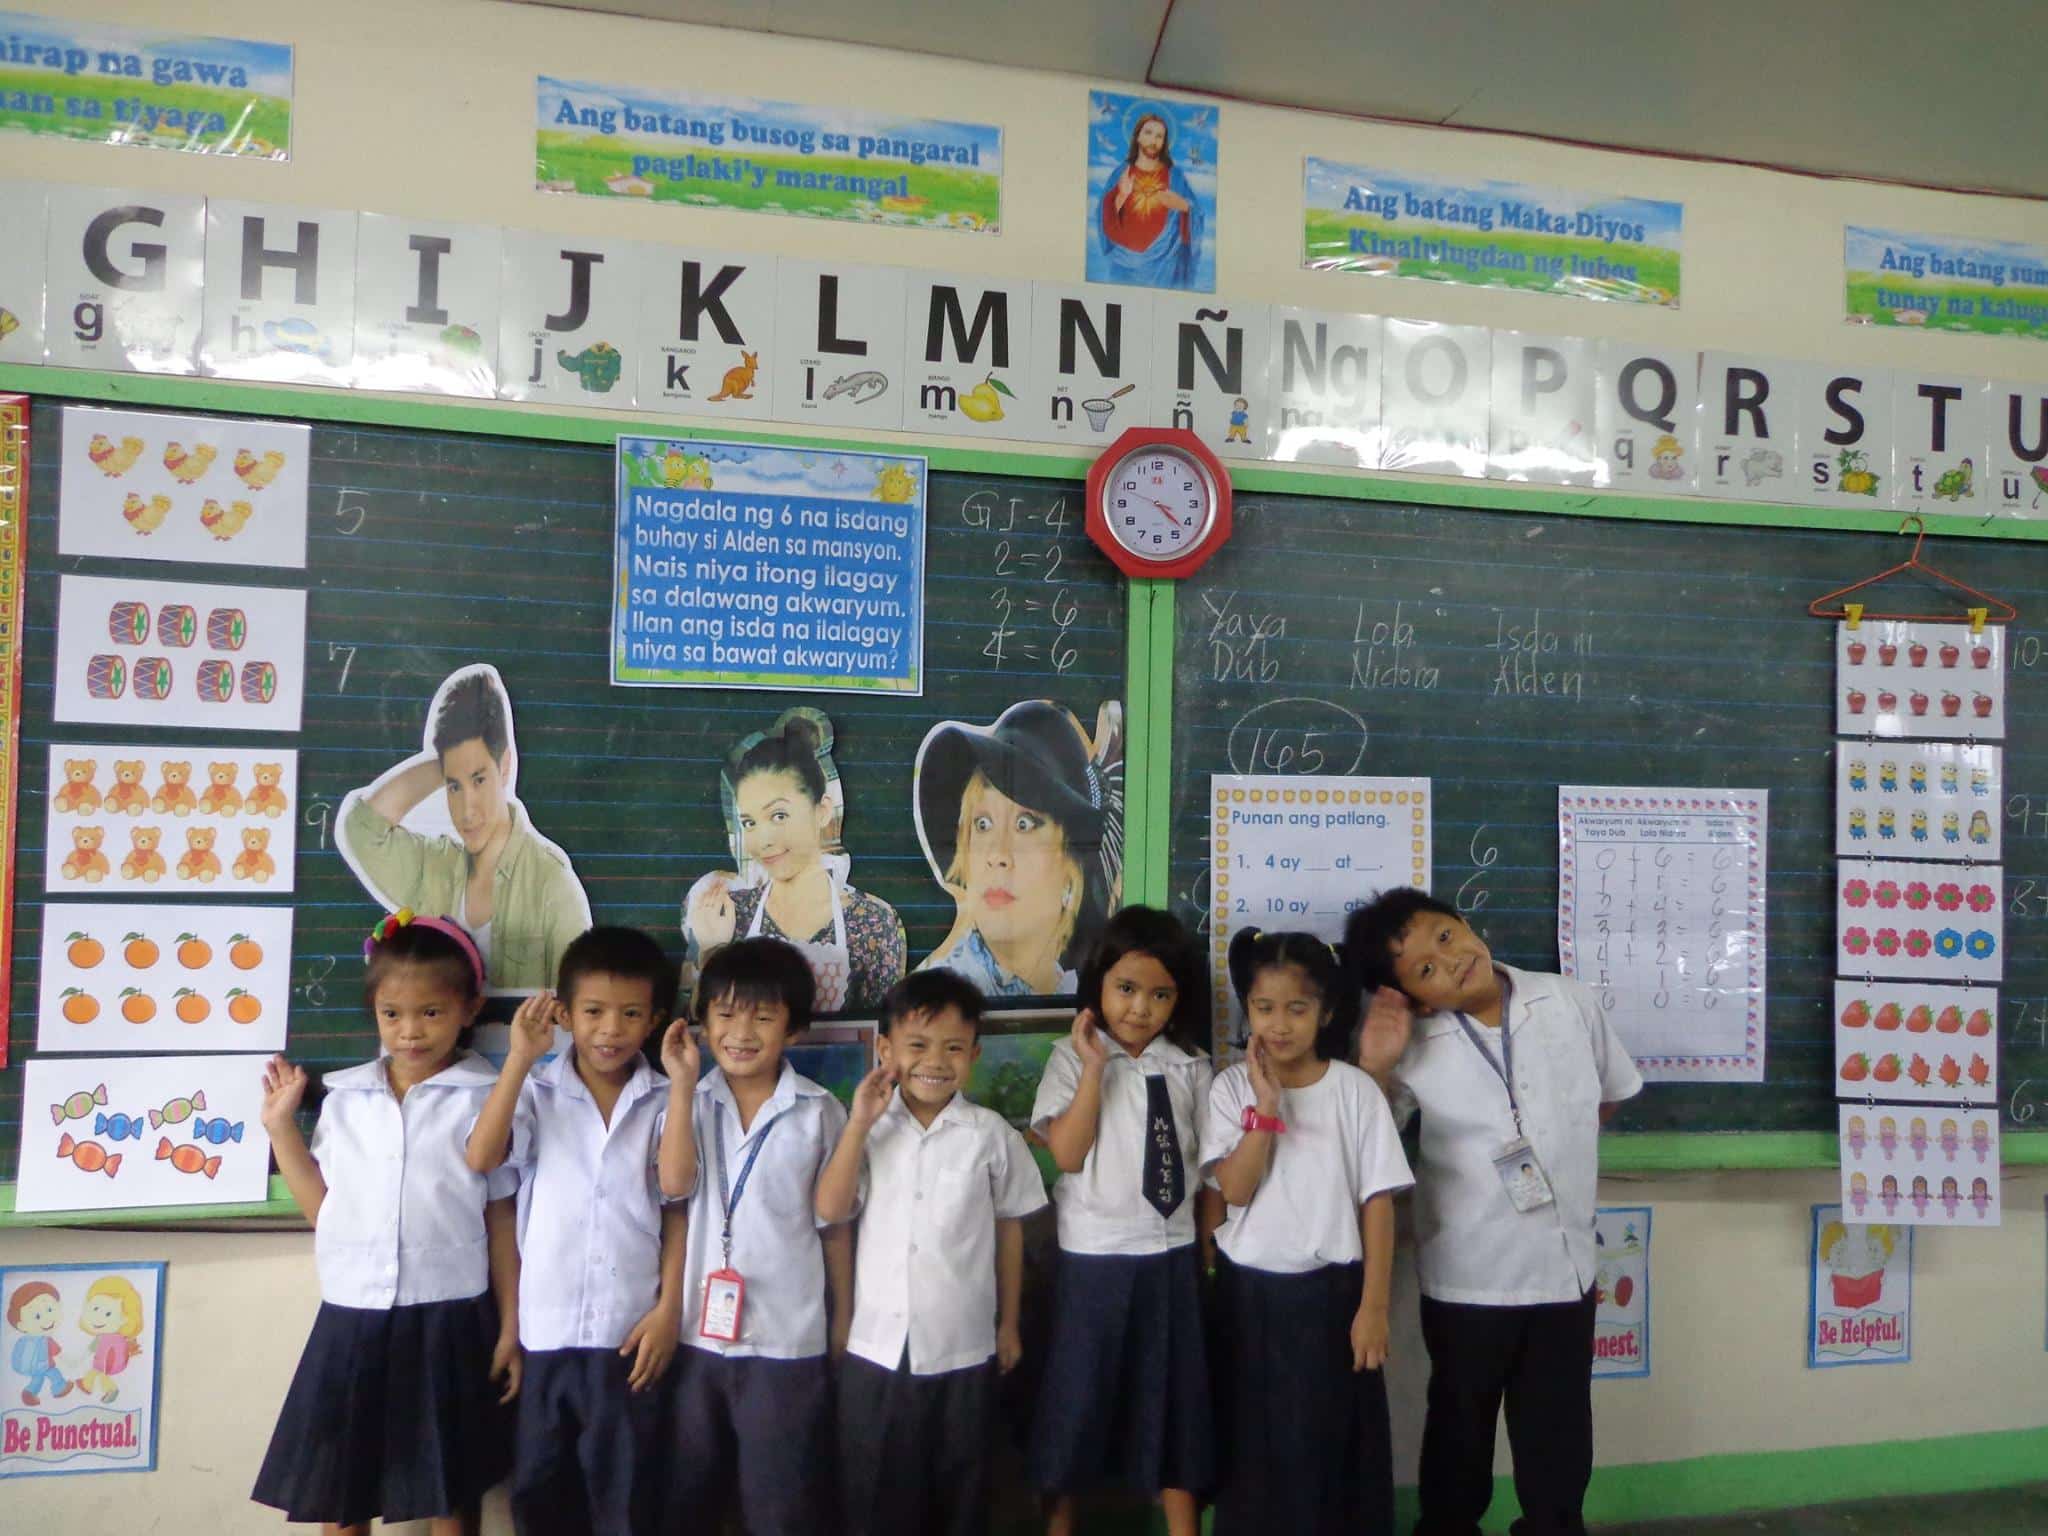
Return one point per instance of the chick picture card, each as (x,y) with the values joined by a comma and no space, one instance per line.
(1898,677)
(210,490)
(84,1348)
(109,1133)
(1928,920)
(178,653)
(1919,800)
(1916,1041)
(1931,1168)
(122,978)
(185,819)
(1860,1295)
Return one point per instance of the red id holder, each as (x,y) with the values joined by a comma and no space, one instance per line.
(725,1293)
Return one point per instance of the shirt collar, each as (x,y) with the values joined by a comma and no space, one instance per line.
(958,1111)
(1159,1050)
(789,1087)
(1526,989)
(559,1072)
(467,1070)
(515,841)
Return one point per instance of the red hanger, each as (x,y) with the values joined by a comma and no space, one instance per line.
(1983,607)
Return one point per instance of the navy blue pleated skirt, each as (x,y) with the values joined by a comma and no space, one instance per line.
(391,1416)
(1125,1399)
(1307,1448)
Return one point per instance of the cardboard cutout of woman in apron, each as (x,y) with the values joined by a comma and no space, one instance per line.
(784,812)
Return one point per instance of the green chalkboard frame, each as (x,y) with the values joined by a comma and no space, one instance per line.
(1149,642)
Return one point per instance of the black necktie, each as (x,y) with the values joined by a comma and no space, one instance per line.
(1165,1179)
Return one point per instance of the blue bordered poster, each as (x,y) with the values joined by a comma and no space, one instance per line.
(1621,1286)
(83,1346)
(1861,1307)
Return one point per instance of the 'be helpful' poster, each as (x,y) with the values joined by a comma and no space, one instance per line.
(1862,1292)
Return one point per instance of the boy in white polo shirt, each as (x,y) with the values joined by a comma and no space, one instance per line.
(1512,1072)
(943,1186)
(601,1259)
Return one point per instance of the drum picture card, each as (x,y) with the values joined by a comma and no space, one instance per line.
(207,490)
(120,977)
(183,819)
(1919,800)
(1928,920)
(1916,1041)
(179,654)
(105,1133)
(1897,677)
(1931,1168)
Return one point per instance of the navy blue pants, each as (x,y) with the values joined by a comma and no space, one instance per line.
(761,1429)
(913,1450)
(589,1448)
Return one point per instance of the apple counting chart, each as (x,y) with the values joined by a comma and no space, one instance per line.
(1660,910)
(1919,918)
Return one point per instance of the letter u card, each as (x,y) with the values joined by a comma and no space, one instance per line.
(177,653)
(102,1133)
(1896,677)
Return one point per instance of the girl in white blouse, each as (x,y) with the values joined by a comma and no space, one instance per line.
(1304,1150)
(392,1414)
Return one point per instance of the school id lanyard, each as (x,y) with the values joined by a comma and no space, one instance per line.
(1503,1066)
(729,1198)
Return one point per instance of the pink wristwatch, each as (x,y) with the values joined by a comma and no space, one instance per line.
(1254,1121)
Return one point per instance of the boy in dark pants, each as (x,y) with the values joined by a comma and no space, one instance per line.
(1512,1072)
(943,1186)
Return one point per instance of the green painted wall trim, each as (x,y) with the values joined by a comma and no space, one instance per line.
(507,419)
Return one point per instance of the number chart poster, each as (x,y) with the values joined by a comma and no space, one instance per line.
(1621,1286)
(1860,1308)
(1491,234)
(121,85)
(84,1350)
(1660,909)
(766,156)
(1303,853)
(752,567)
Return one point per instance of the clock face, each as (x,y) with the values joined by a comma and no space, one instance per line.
(1158,503)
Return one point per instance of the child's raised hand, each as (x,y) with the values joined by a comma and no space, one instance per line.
(284,1087)
(533,1030)
(1265,1092)
(1369,1338)
(872,1096)
(1088,1042)
(711,915)
(681,1058)
(1388,1019)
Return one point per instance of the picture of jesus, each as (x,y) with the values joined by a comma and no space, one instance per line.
(1151,187)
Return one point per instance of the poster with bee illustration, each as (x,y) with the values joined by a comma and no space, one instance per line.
(207,490)
(121,977)
(177,653)
(1924,1168)
(111,1133)
(1919,800)
(177,820)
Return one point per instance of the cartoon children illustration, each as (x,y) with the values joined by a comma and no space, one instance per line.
(1858,1136)
(1856,1257)
(1916,1138)
(32,1311)
(1887,1136)
(1888,1194)
(1240,420)
(1980,1197)
(1859,1192)
(1951,1197)
(1980,1138)
(112,1316)
(1664,456)
(1950,1143)
(1919,1195)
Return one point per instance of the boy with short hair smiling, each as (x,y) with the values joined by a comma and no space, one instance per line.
(939,1269)
(752,1395)
(600,1294)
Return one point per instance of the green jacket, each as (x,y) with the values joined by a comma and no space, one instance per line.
(537,903)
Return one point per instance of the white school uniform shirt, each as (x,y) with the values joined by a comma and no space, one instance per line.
(925,1268)
(1103,1209)
(403,1220)
(1341,1147)
(1472,1245)
(775,1245)
(589,1206)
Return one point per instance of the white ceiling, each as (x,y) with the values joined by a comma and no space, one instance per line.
(1890,90)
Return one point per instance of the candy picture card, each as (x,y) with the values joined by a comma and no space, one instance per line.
(1919,800)
(1660,910)
(165,820)
(109,1133)
(1916,1041)
(123,978)
(1934,921)
(1924,1168)
(208,490)
(1860,1310)
(1898,677)
(179,653)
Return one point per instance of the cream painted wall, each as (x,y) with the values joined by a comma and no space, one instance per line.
(427,109)
(1728,1320)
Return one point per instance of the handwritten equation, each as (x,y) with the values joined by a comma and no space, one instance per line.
(1032,608)
(1660,910)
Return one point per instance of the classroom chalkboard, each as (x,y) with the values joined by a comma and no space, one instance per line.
(1501,654)
(429,550)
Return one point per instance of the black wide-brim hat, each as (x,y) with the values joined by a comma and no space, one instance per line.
(1035,753)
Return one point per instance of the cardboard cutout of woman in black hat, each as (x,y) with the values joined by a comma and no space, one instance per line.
(1022,823)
